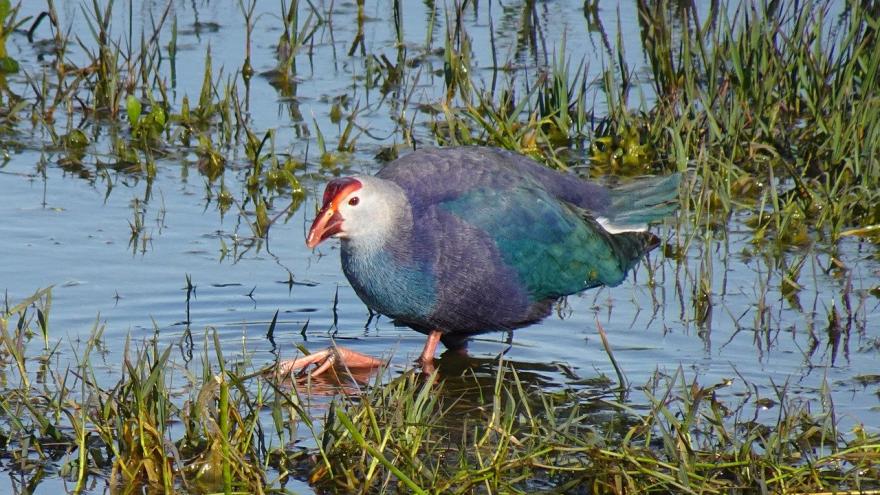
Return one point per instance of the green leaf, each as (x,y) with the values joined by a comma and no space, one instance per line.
(8,65)
(76,139)
(5,7)
(159,116)
(133,107)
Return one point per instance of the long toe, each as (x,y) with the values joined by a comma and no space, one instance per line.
(317,358)
(328,358)
(353,359)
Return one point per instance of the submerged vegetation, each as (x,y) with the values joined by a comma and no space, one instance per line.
(773,109)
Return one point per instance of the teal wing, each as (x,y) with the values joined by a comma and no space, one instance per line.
(555,248)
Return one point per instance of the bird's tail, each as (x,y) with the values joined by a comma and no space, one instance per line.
(631,246)
(641,202)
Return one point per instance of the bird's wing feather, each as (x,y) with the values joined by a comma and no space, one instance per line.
(555,248)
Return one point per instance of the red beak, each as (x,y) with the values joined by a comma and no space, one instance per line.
(329,222)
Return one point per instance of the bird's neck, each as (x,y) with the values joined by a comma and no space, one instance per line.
(379,243)
(387,277)
(380,261)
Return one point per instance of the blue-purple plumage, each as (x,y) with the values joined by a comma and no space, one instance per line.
(490,239)
(434,175)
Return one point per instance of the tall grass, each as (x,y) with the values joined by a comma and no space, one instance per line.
(774,105)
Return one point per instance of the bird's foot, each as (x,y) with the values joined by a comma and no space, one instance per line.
(428,365)
(328,358)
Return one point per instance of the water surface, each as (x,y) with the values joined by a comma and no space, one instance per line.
(71,228)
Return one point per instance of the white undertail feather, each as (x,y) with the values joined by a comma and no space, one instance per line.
(612,228)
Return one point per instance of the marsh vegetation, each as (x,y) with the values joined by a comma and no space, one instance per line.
(161,162)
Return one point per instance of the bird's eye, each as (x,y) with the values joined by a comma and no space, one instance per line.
(354,201)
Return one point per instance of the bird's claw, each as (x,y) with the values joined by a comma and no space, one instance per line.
(328,358)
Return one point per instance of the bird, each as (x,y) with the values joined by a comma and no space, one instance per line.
(457,241)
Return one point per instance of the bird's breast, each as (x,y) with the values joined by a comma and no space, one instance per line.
(399,289)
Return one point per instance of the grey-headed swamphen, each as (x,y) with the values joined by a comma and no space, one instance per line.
(453,242)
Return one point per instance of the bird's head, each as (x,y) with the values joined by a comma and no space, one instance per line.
(358,207)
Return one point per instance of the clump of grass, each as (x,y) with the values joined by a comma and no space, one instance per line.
(773,104)
(123,433)
(112,78)
(411,435)
(782,92)
(233,431)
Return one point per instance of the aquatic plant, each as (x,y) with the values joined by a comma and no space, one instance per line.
(234,430)
(771,109)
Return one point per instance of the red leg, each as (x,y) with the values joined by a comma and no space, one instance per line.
(427,357)
(324,360)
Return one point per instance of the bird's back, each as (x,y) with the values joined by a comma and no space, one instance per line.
(433,175)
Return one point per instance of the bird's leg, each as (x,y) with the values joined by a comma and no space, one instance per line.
(327,358)
(426,360)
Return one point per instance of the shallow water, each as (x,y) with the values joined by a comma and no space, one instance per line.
(62,230)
